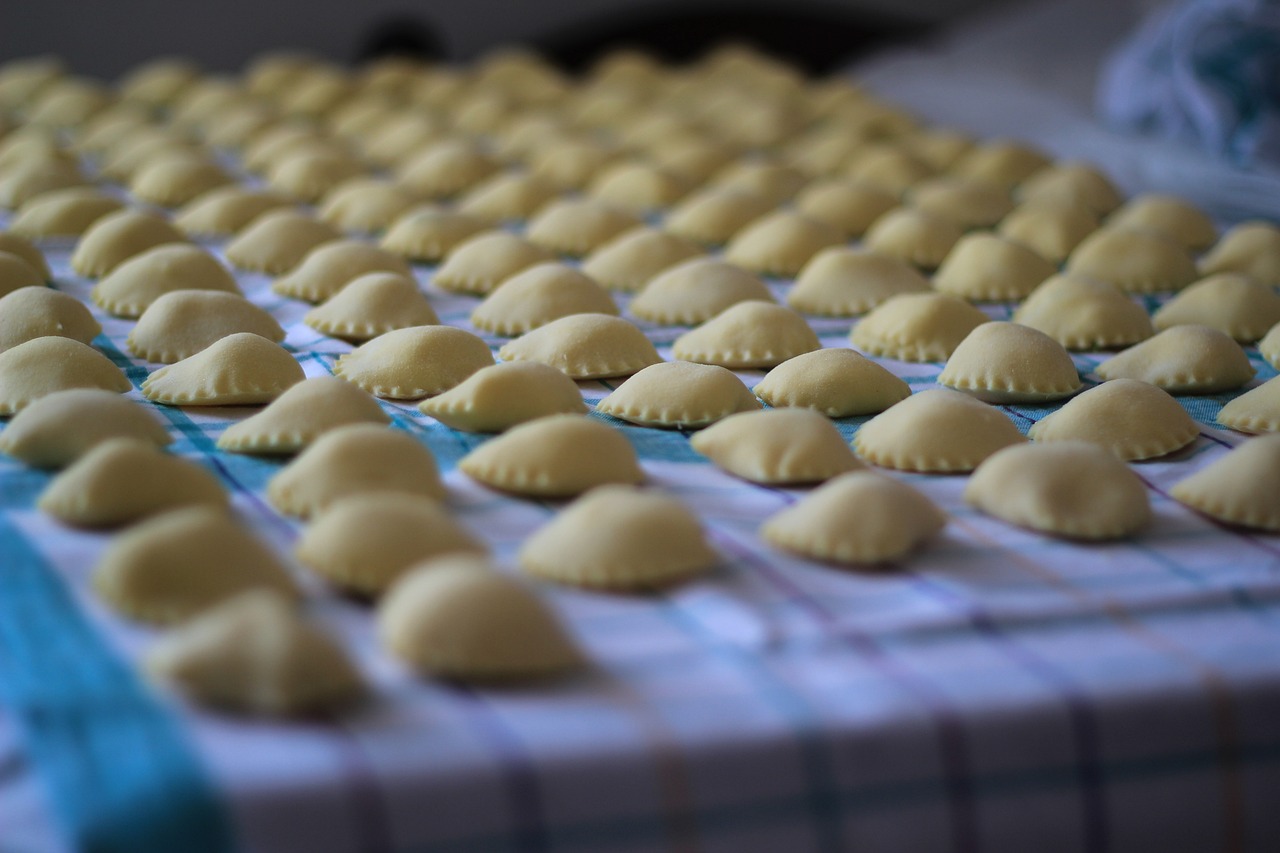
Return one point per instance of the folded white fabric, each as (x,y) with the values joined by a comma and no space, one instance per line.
(1206,72)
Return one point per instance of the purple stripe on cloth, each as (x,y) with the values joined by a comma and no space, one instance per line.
(520,778)
(953,746)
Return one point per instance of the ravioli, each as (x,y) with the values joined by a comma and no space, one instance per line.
(456,618)
(484,261)
(538,295)
(277,241)
(857,518)
(52,363)
(59,428)
(177,179)
(935,431)
(364,543)
(117,237)
(557,456)
(300,415)
(1073,489)
(713,215)
(511,196)
(130,288)
(694,291)
(918,238)
(1134,261)
(1252,248)
(1229,302)
(986,268)
(354,459)
(1132,419)
(170,568)
(968,203)
(428,233)
(679,395)
(917,327)
(364,205)
(634,258)
(1167,215)
(845,204)
(1239,488)
(181,323)
(371,305)
(1005,363)
(576,227)
(585,346)
(38,311)
(62,213)
(1256,410)
(1082,313)
(121,480)
(1071,183)
(1051,228)
(777,447)
(748,335)
(780,243)
(501,396)
(620,538)
(1183,360)
(329,267)
(844,282)
(839,383)
(412,363)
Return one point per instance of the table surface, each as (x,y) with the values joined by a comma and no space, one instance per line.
(999,690)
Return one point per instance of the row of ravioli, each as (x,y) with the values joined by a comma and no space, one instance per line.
(786,236)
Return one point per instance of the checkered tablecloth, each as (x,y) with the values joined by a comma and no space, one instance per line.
(998,691)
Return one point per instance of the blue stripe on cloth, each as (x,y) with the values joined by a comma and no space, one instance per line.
(120,775)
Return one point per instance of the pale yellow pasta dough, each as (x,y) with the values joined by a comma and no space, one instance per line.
(354,459)
(1003,162)
(364,205)
(17,274)
(821,152)
(985,268)
(1269,346)
(1167,215)
(694,158)
(181,323)
(117,237)
(1252,248)
(278,141)
(401,137)
(428,233)
(51,363)
(1074,489)
(109,127)
(892,168)
(459,619)
(558,456)
(839,383)
(175,180)
(241,369)
(844,282)
(253,654)
(506,197)
(365,542)
(1053,228)
(370,305)
(713,215)
(921,239)
(239,124)
(225,211)
(935,431)
(159,81)
(300,415)
(1183,360)
(172,567)
(679,395)
(694,291)
(121,480)
(1003,363)
(1071,183)
(773,181)
(444,169)
(538,295)
(917,327)
(1134,261)
(632,259)
(777,447)
(420,361)
(780,243)
(146,145)
(1229,302)
(1084,314)
(277,241)
(331,266)
(585,346)
(845,204)
(1132,419)
(620,538)
(748,335)
(968,203)
(1256,410)
(638,187)
(15,244)
(498,397)
(308,175)
(1239,488)
(32,177)
(860,517)
(59,428)
(578,226)
(130,288)
(62,213)
(481,263)
(571,163)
